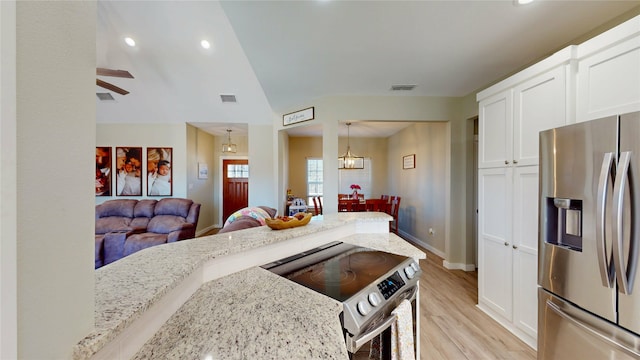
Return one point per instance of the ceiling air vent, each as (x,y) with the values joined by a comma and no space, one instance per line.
(228,98)
(105,96)
(402,87)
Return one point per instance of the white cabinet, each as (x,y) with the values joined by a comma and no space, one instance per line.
(508,251)
(495,275)
(539,104)
(511,120)
(608,81)
(525,250)
(495,144)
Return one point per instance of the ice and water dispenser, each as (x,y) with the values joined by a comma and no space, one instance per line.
(564,223)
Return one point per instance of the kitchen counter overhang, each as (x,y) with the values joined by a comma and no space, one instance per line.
(137,295)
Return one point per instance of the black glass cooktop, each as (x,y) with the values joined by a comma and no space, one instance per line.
(343,275)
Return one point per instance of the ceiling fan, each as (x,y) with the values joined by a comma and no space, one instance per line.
(115,73)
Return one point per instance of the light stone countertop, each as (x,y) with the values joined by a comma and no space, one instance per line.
(126,288)
(252,314)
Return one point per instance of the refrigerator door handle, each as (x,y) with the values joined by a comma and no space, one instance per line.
(606,269)
(551,305)
(626,274)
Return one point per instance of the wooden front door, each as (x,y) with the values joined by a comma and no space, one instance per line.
(235,186)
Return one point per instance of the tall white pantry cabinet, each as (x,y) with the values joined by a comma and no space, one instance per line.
(510,120)
(581,82)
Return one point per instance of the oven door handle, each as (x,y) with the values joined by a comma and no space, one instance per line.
(366,337)
(384,325)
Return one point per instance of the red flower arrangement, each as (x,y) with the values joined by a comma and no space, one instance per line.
(355,187)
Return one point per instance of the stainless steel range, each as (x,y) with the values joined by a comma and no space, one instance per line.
(369,283)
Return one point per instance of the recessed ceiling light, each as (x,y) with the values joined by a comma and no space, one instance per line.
(205,44)
(130,41)
(523,2)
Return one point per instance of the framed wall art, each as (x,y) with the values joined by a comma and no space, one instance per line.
(203,171)
(409,161)
(128,171)
(103,171)
(298,116)
(159,173)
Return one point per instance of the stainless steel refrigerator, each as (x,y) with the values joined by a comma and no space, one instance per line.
(589,231)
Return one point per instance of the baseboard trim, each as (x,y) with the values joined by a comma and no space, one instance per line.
(445,263)
(458,266)
(415,240)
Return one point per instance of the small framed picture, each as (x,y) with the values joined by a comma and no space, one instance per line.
(128,171)
(409,161)
(203,171)
(159,173)
(103,170)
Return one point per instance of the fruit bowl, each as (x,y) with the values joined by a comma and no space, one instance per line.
(287,222)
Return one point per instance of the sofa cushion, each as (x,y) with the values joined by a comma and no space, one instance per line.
(243,222)
(138,242)
(112,223)
(254,212)
(173,206)
(144,208)
(119,207)
(139,223)
(99,251)
(164,224)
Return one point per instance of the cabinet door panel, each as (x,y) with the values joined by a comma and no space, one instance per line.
(539,105)
(525,208)
(525,292)
(525,251)
(494,248)
(609,82)
(495,130)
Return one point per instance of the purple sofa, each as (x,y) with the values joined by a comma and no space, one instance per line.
(124,226)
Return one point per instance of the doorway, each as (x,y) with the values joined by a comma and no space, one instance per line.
(235,186)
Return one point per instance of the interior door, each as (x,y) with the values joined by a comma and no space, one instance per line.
(235,186)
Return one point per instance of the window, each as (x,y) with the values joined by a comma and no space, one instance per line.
(237,171)
(314,179)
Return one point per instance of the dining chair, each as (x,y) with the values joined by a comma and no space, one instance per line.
(393,211)
(384,197)
(379,205)
(317,204)
(348,205)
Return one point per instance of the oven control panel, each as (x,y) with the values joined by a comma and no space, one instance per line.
(391,285)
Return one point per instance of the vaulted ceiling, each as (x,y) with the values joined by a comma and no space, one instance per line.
(276,56)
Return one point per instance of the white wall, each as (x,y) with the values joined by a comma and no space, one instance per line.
(8,231)
(55,145)
(424,188)
(262,166)
(201,149)
(149,135)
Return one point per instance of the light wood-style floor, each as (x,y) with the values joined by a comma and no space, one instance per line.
(451,326)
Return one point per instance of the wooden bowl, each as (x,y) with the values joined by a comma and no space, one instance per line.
(287,222)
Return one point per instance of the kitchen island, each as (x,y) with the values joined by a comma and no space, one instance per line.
(207,296)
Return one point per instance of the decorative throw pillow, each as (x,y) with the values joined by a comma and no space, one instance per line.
(254,212)
(271,211)
(243,222)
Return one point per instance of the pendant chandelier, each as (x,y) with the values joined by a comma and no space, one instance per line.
(349,160)
(229,147)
